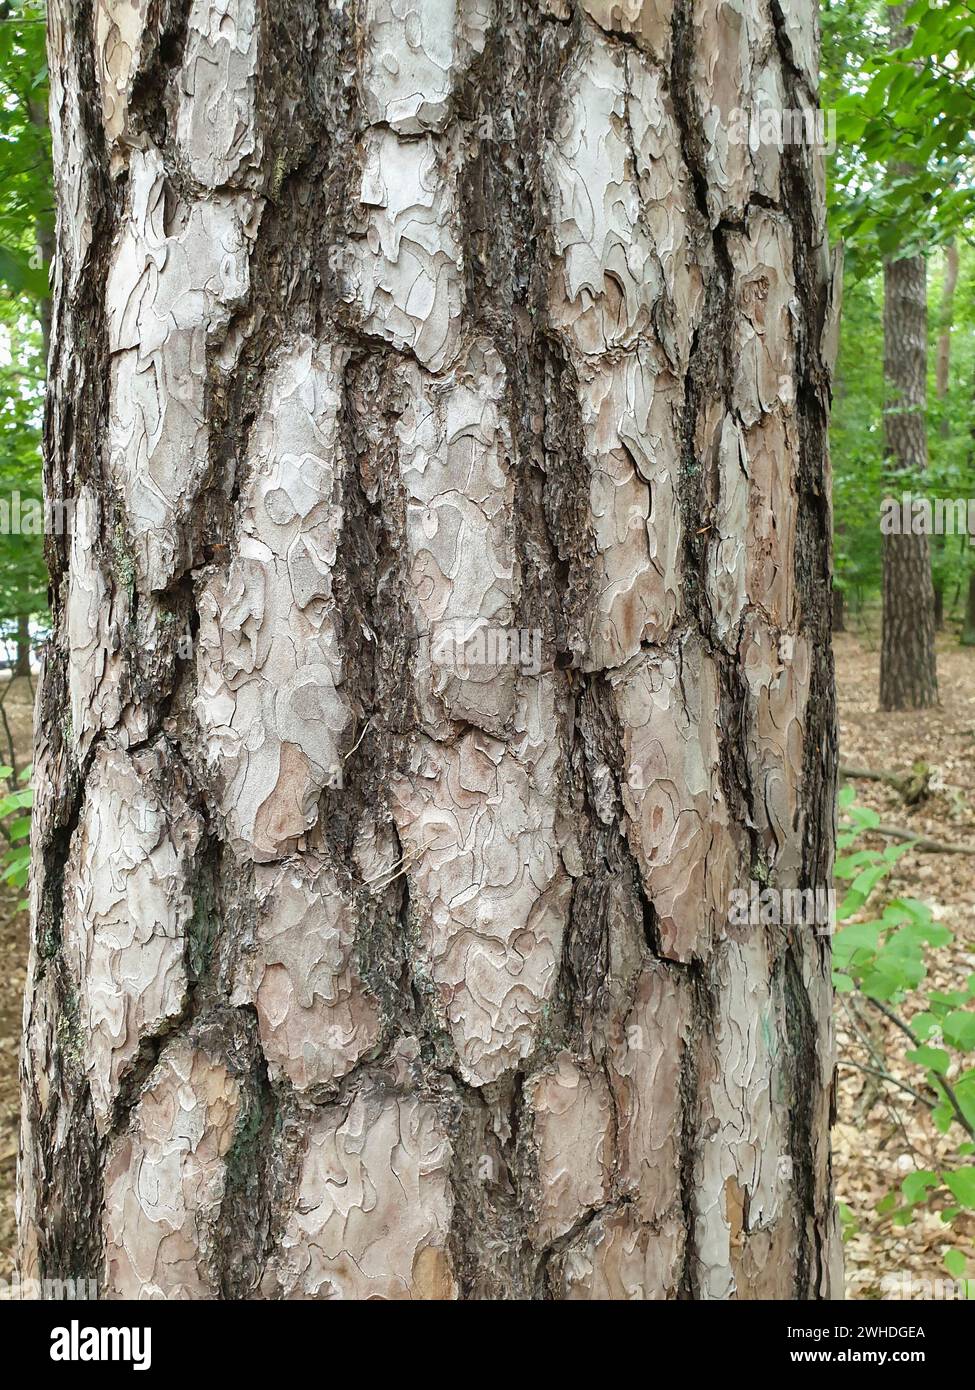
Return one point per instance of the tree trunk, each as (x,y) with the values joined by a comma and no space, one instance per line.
(445,634)
(943,361)
(968,630)
(839,610)
(942,379)
(22,664)
(908,671)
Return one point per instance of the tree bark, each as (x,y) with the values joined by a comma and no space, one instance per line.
(444,635)
(22,663)
(968,630)
(839,610)
(943,361)
(908,670)
(942,379)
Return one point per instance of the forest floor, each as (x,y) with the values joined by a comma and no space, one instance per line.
(18,711)
(881,1133)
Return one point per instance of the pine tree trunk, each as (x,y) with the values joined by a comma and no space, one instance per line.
(839,610)
(968,630)
(22,664)
(908,673)
(942,375)
(908,670)
(443,637)
(942,378)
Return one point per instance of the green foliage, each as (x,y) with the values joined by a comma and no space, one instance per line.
(884,959)
(23,577)
(26,206)
(15,808)
(857,442)
(26,230)
(900,182)
(902,173)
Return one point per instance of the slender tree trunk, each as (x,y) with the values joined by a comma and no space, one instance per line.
(22,666)
(908,670)
(839,610)
(967,638)
(445,635)
(946,318)
(968,629)
(908,673)
(942,379)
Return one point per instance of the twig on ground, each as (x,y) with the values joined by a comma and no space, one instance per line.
(913,786)
(886,1076)
(920,842)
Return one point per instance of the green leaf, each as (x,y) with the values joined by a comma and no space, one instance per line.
(19,829)
(18,275)
(916,1184)
(959,1030)
(962,1186)
(934,1058)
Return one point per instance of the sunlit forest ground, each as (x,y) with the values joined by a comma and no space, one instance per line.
(18,711)
(881,1133)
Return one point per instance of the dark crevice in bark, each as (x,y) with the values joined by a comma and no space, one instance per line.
(243,1237)
(784,44)
(692,1120)
(491,1179)
(547,1278)
(814,583)
(149,102)
(804,1085)
(66,1144)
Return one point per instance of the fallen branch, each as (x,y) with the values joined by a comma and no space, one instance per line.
(920,842)
(886,1076)
(913,786)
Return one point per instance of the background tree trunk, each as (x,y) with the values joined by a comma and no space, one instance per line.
(394,340)
(22,664)
(968,629)
(942,379)
(943,362)
(908,670)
